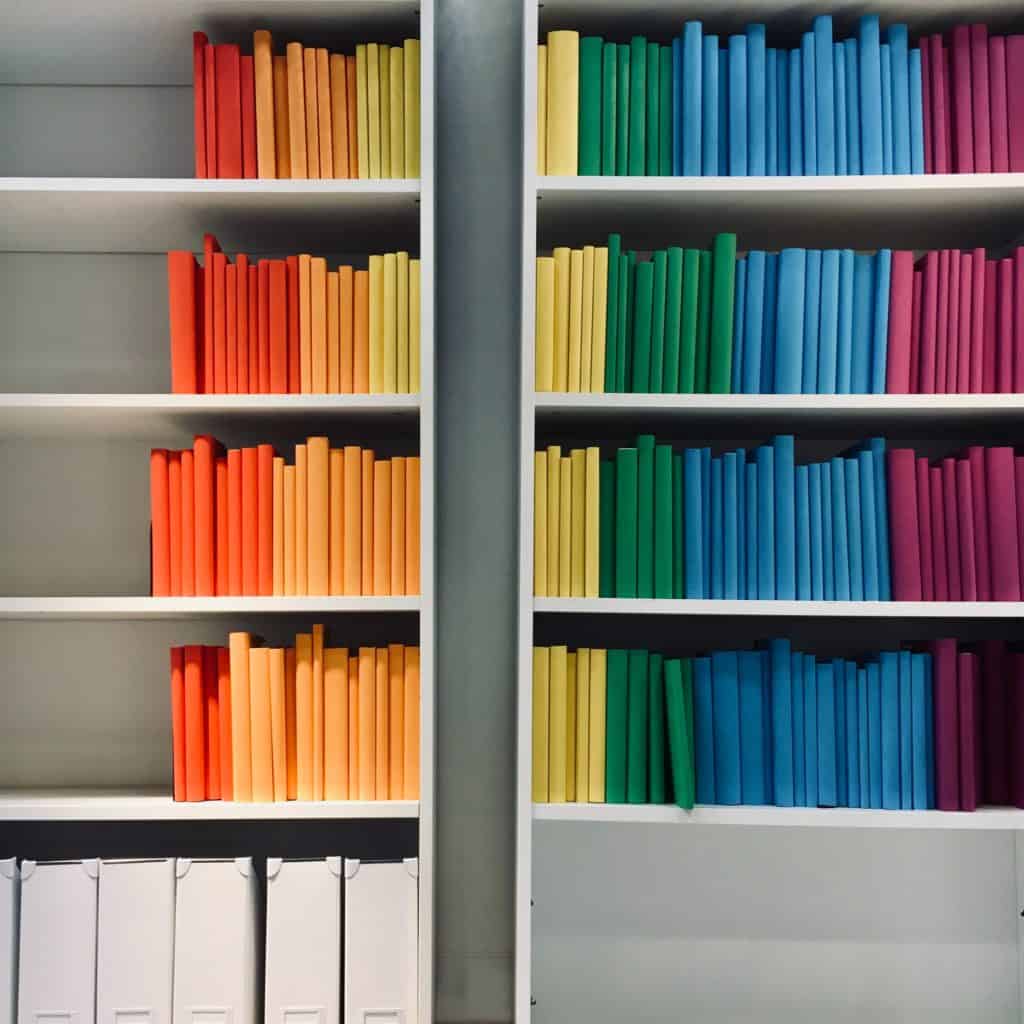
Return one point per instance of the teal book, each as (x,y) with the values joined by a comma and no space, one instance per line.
(723,287)
(643,310)
(645,516)
(660,261)
(679,716)
(725,667)
(688,322)
(606,514)
(664,554)
(616,715)
(653,162)
(636,728)
(609,101)
(625,522)
(700,385)
(622,111)
(657,780)
(637,158)
(678,529)
(590,66)
(612,322)
(673,321)
(665,113)
(622,332)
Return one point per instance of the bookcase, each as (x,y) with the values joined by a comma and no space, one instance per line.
(96,186)
(726,913)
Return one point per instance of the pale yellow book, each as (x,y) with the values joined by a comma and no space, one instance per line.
(376,265)
(587,331)
(289,531)
(542,109)
(318,516)
(565,526)
(318,324)
(301,521)
(384,62)
(362,112)
(563,91)
(336,533)
(575,318)
(278,723)
(577,566)
(278,521)
(598,683)
(554,516)
(318,712)
(570,727)
(396,110)
(411,70)
(304,715)
(414,327)
(336,723)
(333,334)
(541,739)
(305,325)
(262,752)
(592,524)
(544,328)
(540,524)
(600,329)
(373,108)
(389,325)
(402,320)
(582,725)
(241,739)
(558,682)
(560,359)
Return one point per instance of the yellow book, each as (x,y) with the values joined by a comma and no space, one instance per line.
(560,359)
(376,325)
(411,69)
(587,332)
(414,327)
(289,531)
(541,739)
(318,712)
(554,516)
(336,534)
(389,326)
(318,515)
(362,112)
(301,521)
(318,324)
(565,526)
(402,320)
(305,325)
(592,524)
(557,723)
(384,58)
(241,750)
(544,328)
(582,725)
(279,723)
(598,682)
(570,727)
(540,524)
(396,109)
(333,334)
(575,318)
(336,723)
(600,320)
(542,109)
(578,462)
(278,521)
(563,102)
(261,750)
(373,108)
(304,715)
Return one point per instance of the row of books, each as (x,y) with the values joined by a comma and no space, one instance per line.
(241,522)
(291,326)
(308,722)
(307,113)
(741,108)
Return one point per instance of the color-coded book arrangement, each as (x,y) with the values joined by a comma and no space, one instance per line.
(696,107)
(291,326)
(308,722)
(307,114)
(655,523)
(957,525)
(241,522)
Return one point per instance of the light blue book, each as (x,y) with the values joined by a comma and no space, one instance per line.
(876,445)
(844,325)
(808,76)
(899,57)
(781,658)
(785,518)
(916,114)
(854,529)
(869,46)
(789,334)
(880,323)
(875,735)
(852,70)
(839,71)
(869,538)
(717,550)
(705,476)
(816,548)
(798,697)
(738,106)
(766,523)
(782,84)
(753,789)
(852,736)
(730,527)
(739,314)
(906,732)
(840,531)
(863,309)
(864,738)
(828,783)
(753,322)
(812,318)
(803,535)
(709,105)
(796,114)
(827,533)
(889,669)
(771,297)
(757,142)
(885,61)
(696,551)
(824,94)
(691,100)
(828,330)
(811,730)
(771,109)
(920,769)
(724,165)
(726,726)
(751,504)
(839,754)
(703,729)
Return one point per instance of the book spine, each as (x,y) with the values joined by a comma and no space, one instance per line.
(917,125)
(757,102)
(1002,523)
(591,50)
(979,99)
(900,307)
(710,103)
(824,86)
(999,133)
(738,106)
(869,46)
(903,518)
(961,113)
(808,76)
(898,40)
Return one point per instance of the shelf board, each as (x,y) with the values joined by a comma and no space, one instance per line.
(156,214)
(864,211)
(130,608)
(157,805)
(987,818)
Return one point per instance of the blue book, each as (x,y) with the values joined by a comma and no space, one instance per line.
(738,106)
(757,103)
(880,322)
(816,548)
(730,528)
(899,58)
(840,531)
(919,770)
(839,699)
(808,76)
(789,332)
(705,476)
(839,72)
(876,445)
(753,322)
(678,96)
(863,309)
(812,318)
(766,725)
(785,518)
(726,726)
(803,535)
(717,549)
(752,738)
(906,732)
(771,290)
(695,549)
(852,736)
(709,104)
(724,155)
(852,107)
(771,112)
(864,739)
(889,669)
(782,83)
(929,725)
(741,525)
(811,730)
(868,525)
(828,783)
(751,505)
(869,47)
(781,732)
(824,94)
(798,697)
(844,325)
(874,735)
(766,523)
(738,315)
(828,331)
(888,146)
(691,99)
(703,731)
(916,114)
(827,533)
(796,114)
(854,529)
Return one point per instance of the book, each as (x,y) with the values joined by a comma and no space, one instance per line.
(563,90)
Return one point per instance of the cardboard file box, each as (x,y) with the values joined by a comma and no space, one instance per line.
(9,880)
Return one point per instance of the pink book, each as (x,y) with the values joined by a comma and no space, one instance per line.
(940,566)
(960,88)
(1001,499)
(995,723)
(976,352)
(970,741)
(904,536)
(953,323)
(940,126)
(1017,302)
(915,336)
(901,307)
(929,322)
(997,104)
(928,108)
(952,528)
(979,507)
(965,515)
(1015,95)
(988,358)
(924,526)
(981,117)
(942,323)
(947,731)
(1017,728)
(962,384)
(947,99)
(1018,482)
(1004,328)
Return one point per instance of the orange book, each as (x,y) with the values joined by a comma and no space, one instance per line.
(304,715)
(318,324)
(396,719)
(241,748)
(353,727)
(289,723)
(259,717)
(242,326)
(160,517)
(411,725)
(289,531)
(174,521)
(361,333)
(353,521)
(278,527)
(278,732)
(205,486)
(353,132)
(199,44)
(224,708)
(412,525)
(282,137)
(381,723)
(188,524)
(220,340)
(211,711)
(333,328)
(235,574)
(231,326)
(247,80)
(250,522)
(336,530)
(339,116)
(253,345)
(368,493)
(178,721)
(325,130)
(210,95)
(367,724)
(397,517)
(312,129)
(305,326)
(265,518)
(318,712)
(181,295)
(263,68)
(294,346)
(346,285)
(301,521)
(263,315)
(318,515)
(278,326)
(205,373)
(195,725)
(382,527)
(221,477)
(296,112)
(335,723)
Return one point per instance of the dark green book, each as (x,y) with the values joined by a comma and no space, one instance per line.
(622,111)
(611,339)
(637,161)
(625,522)
(636,741)
(616,711)
(609,101)
(660,261)
(665,113)
(621,332)
(673,320)
(678,529)
(657,792)
(653,107)
(591,59)
(606,542)
(700,374)
(679,715)
(723,293)
(643,308)
(663,539)
(626,370)
(688,322)
(645,515)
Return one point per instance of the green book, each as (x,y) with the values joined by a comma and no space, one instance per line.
(656,746)
(645,515)
(700,374)
(688,321)
(637,161)
(723,293)
(678,528)
(653,107)
(665,114)
(616,708)
(611,340)
(660,261)
(663,527)
(590,61)
(606,542)
(636,729)
(673,320)
(643,308)
(622,111)
(608,104)
(679,715)
(625,522)
(628,342)
(621,332)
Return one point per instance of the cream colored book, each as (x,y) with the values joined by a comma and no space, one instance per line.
(578,459)
(575,318)
(542,109)
(396,110)
(362,112)
(384,60)
(411,69)
(598,343)
(563,89)
(554,516)
(372,108)
(592,524)
(414,327)
(558,723)
(402,322)
(598,684)
(565,526)
(389,325)
(544,327)
(570,727)
(560,360)
(540,524)
(587,330)
(582,725)
(541,739)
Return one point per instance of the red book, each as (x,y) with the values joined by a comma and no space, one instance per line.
(254,319)
(942,323)
(947,730)
(981,115)
(924,525)
(174,500)
(940,124)
(248,90)
(929,322)
(915,336)
(962,384)
(223,574)
(1018,480)
(1001,499)
(278,317)
(235,575)
(997,104)
(1004,328)
(940,566)
(950,508)
(199,43)
(979,505)
(294,363)
(178,720)
(229,111)
(965,516)
(961,113)
(970,740)
(206,516)
(211,702)
(250,523)
(1015,95)
(901,308)
(995,721)
(210,91)
(989,356)
(188,524)
(928,107)
(210,246)
(1017,290)
(181,295)
(904,538)
(160,515)
(976,354)
(953,324)
(242,262)
(265,519)
(195,725)
(264,326)
(220,324)
(224,707)
(231,325)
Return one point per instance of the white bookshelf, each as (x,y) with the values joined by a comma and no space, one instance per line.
(96,185)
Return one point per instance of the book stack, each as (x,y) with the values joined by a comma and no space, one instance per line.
(291,326)
(308,722)
(308,113)
(241,522)
(739,107)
